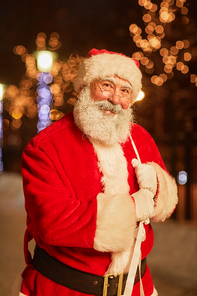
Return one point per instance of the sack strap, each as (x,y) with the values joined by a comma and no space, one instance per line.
(135,149)
(136,259)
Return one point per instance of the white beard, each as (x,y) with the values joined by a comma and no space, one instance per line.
(100,127)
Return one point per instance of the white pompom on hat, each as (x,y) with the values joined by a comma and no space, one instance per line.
(101,64)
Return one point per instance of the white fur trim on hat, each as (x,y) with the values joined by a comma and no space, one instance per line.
(105,65)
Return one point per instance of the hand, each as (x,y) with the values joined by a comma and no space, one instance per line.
(144,204)
(146,176)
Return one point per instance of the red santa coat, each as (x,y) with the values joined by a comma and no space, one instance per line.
(61,182)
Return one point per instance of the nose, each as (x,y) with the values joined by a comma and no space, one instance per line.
(115,99)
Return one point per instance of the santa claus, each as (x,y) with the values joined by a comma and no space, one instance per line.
(90,179)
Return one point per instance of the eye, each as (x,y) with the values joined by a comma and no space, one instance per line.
(107,85)
(125,90)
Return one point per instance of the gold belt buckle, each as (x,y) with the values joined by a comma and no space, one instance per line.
(106,284)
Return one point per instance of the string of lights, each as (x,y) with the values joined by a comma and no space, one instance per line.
(157,20)
(44,100)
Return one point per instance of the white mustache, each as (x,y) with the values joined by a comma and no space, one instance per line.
(106,105)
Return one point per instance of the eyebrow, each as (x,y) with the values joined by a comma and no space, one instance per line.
(111,79)
(127,85)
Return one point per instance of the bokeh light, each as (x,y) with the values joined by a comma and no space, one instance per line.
(54,42)
(140,96)
(44,100)
(182,178)
(157,23)
(44,61)
(41,41)
(187,56)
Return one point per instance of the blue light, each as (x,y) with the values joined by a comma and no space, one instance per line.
(182,178)
(44,100)
(41,101)
(42,124)
(48,78)
(42,116)
(45,109)
(44,92)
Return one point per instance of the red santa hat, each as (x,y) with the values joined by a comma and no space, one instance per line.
(101,64)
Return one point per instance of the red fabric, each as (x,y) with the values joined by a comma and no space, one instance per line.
(61,181)
(147,284)
(95,51)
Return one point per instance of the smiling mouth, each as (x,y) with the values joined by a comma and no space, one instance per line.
(108,112)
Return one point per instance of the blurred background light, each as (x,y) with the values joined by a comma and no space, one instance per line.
(44,61)
(44,98)
(1,126)
(182,178)
(140,96)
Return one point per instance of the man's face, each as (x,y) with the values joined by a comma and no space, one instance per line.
(102,111)
(115,90)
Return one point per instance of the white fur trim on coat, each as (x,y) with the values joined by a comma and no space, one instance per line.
(21,294)
(105,65)
(115,208)
(113,166)
(115,226)
(166,198)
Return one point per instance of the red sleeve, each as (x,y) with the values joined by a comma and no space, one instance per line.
(54,214)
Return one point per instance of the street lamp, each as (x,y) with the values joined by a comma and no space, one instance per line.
(1,126)
(44,98)
(44,60)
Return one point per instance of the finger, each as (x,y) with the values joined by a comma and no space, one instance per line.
(140,169)
(135,162)
(144,169)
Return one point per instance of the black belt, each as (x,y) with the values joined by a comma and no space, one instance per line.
(78,280)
